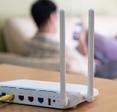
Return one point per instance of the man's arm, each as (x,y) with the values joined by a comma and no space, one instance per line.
(82,43)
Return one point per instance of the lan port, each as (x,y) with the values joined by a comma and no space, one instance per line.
(41,100)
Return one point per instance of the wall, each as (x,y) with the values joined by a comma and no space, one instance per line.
(81,6)
(14,7)
(21,7)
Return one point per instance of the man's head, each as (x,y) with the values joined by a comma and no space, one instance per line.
(44,13)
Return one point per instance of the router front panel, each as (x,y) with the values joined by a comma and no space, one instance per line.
(34,97)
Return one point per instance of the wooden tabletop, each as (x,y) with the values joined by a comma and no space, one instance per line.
(105,102)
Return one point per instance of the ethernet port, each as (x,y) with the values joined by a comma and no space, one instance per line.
(21,97)
(30,98)
(41,100)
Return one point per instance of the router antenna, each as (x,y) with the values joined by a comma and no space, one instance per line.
(90,55)
(62,58)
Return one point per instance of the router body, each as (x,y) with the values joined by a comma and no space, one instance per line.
(45,94)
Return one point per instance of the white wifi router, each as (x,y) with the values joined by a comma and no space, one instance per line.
(52,94)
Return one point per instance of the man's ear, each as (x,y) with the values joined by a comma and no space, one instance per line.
(53,17)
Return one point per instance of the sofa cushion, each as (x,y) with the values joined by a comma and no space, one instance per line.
(16,32)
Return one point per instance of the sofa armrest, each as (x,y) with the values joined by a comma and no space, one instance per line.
(29,62)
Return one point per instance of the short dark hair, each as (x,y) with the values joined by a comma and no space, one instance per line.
(41,10)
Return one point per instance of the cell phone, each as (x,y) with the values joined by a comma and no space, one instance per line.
(78,28)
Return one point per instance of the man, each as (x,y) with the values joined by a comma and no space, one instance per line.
(104,47)
(105,52)
(44,44)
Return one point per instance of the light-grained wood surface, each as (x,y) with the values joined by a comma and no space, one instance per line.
(105,102)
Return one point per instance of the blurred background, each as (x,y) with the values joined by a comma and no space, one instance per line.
(17,27)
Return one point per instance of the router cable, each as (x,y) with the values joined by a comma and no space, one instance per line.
(6,98)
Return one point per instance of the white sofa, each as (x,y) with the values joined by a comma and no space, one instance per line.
(18,30)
